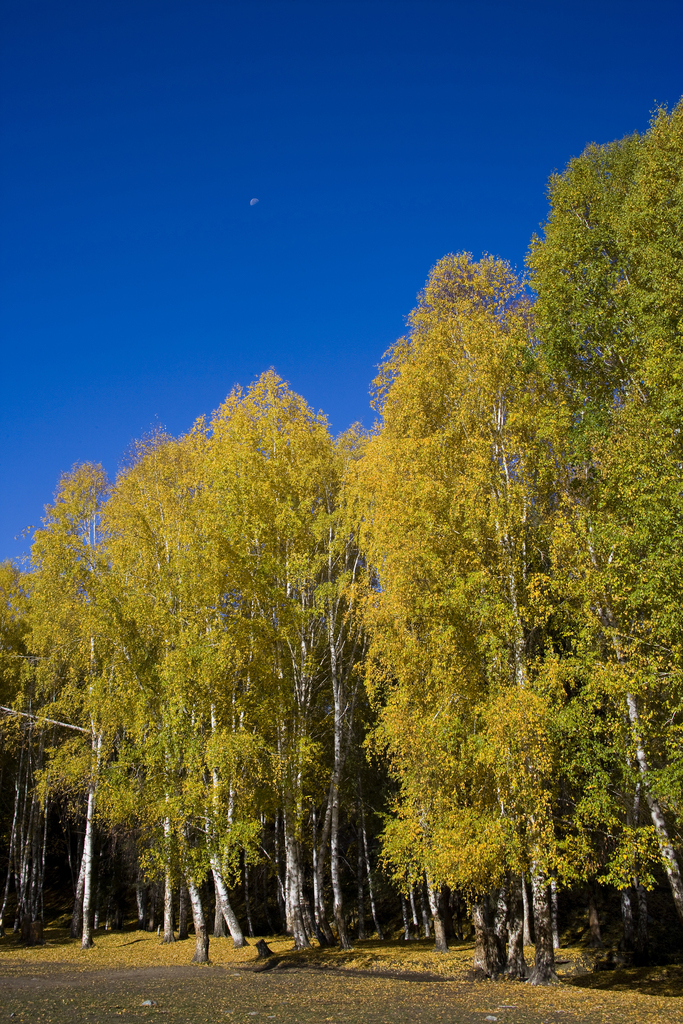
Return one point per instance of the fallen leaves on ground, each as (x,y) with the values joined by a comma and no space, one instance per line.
(61,983)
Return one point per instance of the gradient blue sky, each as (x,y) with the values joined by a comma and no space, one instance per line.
(138,284)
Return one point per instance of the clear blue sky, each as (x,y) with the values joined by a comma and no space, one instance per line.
(138,284)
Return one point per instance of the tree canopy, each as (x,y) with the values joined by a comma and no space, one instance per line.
(438,658)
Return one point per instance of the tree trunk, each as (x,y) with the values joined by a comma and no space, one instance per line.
(35,885)
(593,919)
(97,866)
(266,911)
(222,896)
(627,921)
(141,901)
(77,912)
(21,869)
(310,923)
(360,886)
(338,907)
(280,890)
(29,866)
(642,955)
(38,851)
(220,930)
(668,855)
(528,937)
(86,940)
(168,906)
(40,909)
(457,910)
(152,912)
(341,710)
(486,950)
(247,900)
(219,926)
(553,914)
(500,923)
(318,880)
(201,951)
(445,906)
(440,941)
(295,921)
(86,934)
(516,964)
(9,868)
(184,902)
(406,922)
(12,842)
(424,911)
(543,972)
(666,849)
(368,872)
(413,911)
(168,884)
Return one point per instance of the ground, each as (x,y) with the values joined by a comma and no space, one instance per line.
(377,983)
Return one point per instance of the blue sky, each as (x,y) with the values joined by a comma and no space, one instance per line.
(137,284)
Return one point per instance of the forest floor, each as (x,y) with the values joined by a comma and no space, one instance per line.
(387,982)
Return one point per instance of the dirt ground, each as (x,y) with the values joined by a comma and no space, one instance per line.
(377,983)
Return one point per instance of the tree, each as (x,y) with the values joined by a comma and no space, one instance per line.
(609,280)
(460,486)
(273,476)
(66,586)
(14,626)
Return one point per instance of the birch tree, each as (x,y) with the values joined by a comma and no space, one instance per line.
(73,663)
(610,299)
(460,489)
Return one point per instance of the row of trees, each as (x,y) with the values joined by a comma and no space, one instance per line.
(526,514)
(258,633)
(197,626)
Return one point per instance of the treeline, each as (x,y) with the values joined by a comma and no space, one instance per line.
(443,655)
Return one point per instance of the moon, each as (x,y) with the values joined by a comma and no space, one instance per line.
(253,202)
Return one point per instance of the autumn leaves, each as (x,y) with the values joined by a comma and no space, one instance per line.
(525,522)
(484,591)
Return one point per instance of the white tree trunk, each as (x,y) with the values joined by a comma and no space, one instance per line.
(440,941)
(543,972)
(339,918)
(168,886)
(168,906)
(671,866)
(553,913)
(201,951)
(516,965)
(226,909)
(669,858)
(86,938)
(88,844)
(295,919)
